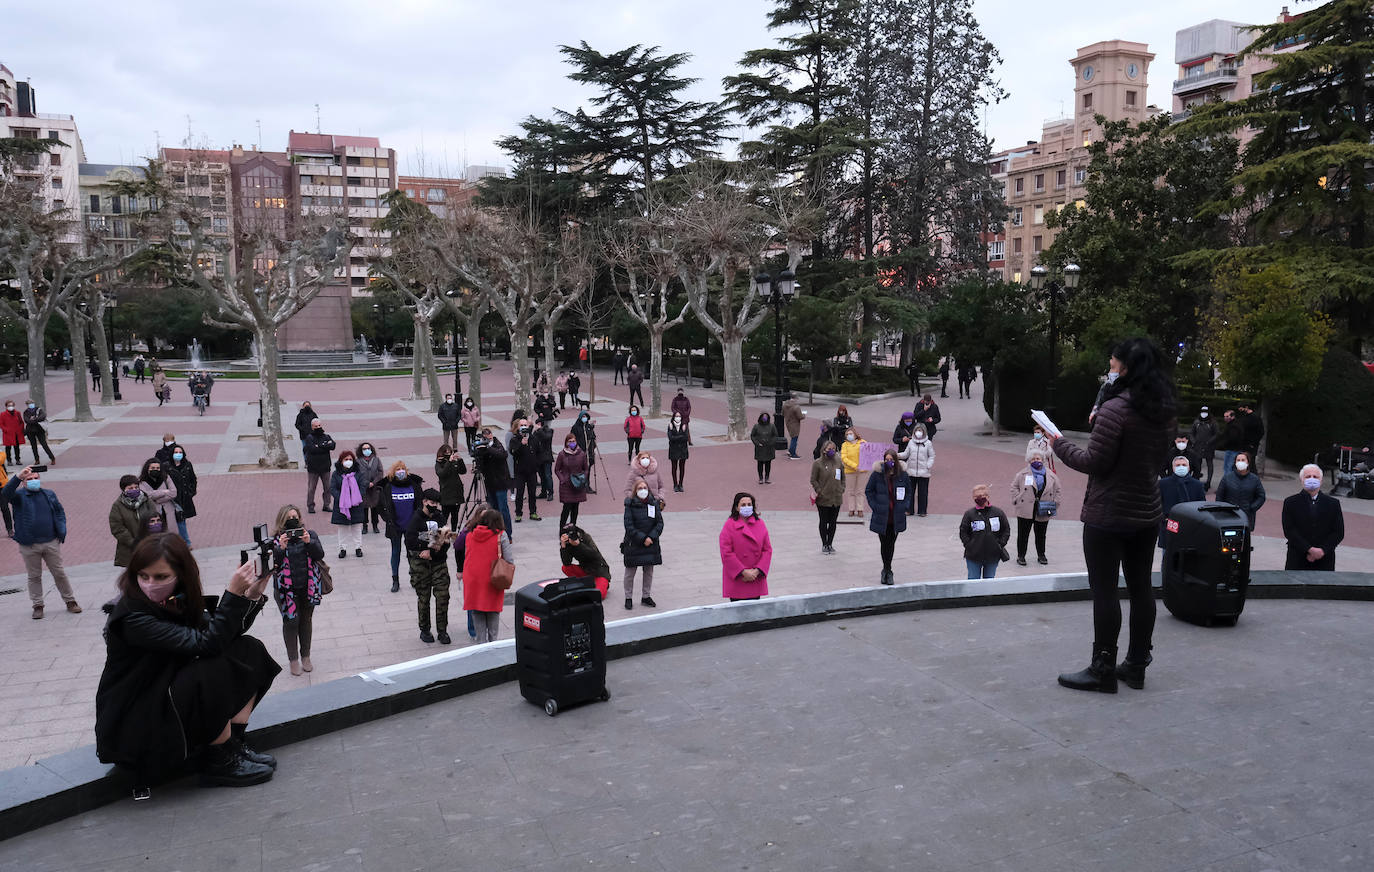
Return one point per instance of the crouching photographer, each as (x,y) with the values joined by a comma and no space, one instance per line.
(297,583)
(181,674)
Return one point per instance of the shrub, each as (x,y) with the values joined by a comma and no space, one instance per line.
(1024,383)
(1338,410)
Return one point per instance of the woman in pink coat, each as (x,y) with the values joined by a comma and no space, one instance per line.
(745,552)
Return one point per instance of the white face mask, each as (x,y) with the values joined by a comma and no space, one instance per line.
(1180,445)
(348,464)
(644,462)
(1202,414)
(166,444)
(746,511)
(1241,466)
(1113,376)
(1312,484)
(642,493)
(1180,471)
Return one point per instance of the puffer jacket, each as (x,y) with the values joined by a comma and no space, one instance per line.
(828,486)
(1245,491)
(471,417)
(638,527)
(919,458)
(650,476)
(1122,460)
(450,416)
(849,454)
(764,437)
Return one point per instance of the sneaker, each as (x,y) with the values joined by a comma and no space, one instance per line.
(444,638)
(38,612)
(427,637)
(648,601)
(1042,560)
(343,552)
(73,607)
(519,518)
(534,517)
(225,766)
(629,603)
(357,552)
(1020,561)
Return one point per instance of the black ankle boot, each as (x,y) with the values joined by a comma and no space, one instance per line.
(1100,674)
(236,734)
(1133,671)
(224,766)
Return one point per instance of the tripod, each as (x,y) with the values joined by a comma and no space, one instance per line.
(476,496)
(591,479)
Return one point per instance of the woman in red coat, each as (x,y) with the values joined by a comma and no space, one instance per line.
(484,541)
(12,429)
(745,552)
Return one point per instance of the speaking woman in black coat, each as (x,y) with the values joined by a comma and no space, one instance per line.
(180,682)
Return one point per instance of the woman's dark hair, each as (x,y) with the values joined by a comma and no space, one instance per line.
(763,418)
(1152,392)
(489,518)
(169,547)
(126,480)
(1245,455)
(362,445)
(143,473)
(734,506)
(143,527)
(442,451)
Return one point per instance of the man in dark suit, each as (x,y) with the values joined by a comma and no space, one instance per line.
(1313,524)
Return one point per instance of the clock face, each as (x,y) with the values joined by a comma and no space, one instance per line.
(1132,70)
(1088,73)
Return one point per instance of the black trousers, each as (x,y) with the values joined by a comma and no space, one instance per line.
(448,515)
(637,392)
(40,438)
(765,468)
(1108,555)
(526,482)
(829,518)
(887,546)
(679,470)
(1023,531)
(922,494)
(632,446)
(568,514)
(471,434)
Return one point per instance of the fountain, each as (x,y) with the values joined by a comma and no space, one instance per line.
(388,359)
(360,350)
(253,349)
(196,361)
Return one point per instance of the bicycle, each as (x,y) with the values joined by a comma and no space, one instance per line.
(200,401)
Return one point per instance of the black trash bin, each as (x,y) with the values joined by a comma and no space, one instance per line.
(560,643)
(1206,567)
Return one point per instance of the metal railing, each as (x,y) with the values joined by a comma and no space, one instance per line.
(1190,83)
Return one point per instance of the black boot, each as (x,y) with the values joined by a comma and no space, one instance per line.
(1132,671)
(1100,674)
(236,734)
(224,766)
(395,583)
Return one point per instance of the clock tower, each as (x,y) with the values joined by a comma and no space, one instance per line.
(1110,79)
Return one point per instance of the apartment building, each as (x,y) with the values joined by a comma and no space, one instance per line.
(108,213)
(1110,79)
(57,172)
(438,193)
(202,177)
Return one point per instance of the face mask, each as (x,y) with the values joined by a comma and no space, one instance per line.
(9,408)
(33,484)
(132,492)
(1036,464)
(178,456)
(1202,414)
(158,591)
(919,437)
(166,444)
(31,406)
(401,475)
(907,421)
(154,476)
(1241,466)
(1312,484)
(1039,437)
(430,510)
(980,502)
(155,526)
(367,452)
(1180,471)
(642,493)
(317,430)
(889,464)
(524,430)
(763,420)
(448,399)
(572,446)
(644,462)
(348,464)
(292,524)
(676,421)
(1181,445)
(829,452)
(849,437)
(746,511)
(634,412)
(1113,376)
(584,419)
(468,404)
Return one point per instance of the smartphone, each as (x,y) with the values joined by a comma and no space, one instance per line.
(39,467)
(295,533)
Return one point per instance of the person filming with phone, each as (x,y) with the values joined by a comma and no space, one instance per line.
(298,556)
(181,674)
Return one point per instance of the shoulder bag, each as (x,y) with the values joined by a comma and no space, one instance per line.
(502,573)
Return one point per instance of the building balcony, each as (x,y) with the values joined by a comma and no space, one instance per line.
(1203,81)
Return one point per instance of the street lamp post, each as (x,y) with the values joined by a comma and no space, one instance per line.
(112,303)
(457,359)
(1068,279)
(778,292)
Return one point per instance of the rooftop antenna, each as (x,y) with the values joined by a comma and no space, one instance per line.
(317,119)
(188,131)
(259,123)
(157,138)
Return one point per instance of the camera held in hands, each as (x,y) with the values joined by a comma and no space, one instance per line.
(262,543)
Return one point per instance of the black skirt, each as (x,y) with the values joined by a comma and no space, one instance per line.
(208,691)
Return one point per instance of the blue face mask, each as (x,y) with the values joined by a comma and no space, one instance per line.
(634,412)
(178,456)
(33,484)
(401,475)
(367,452)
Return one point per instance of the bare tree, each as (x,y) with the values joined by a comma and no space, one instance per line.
(574,272)
(470,308)
(594,317)
(635,250)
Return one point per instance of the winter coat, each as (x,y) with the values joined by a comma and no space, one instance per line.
(634,426)
(682,406)
(902,434)
(1124,454)
(303,419)
(744,544)
(526,454)
(12,428)
(560,384)
(163,496)
(1203,434)
(929,416)
(1025,501)
(293,582)
(565,466)
(449,473)
(574,384)
(650,476)
(643,521)
(33,421)
(792,416)
(1174,490)
(136,724)
(356,514)
(1252,431)
(827,480)
(491,465)
(159,381)
(370,473)
(183,475)
(1232,436)
(38,515)
(985,545)
(842,423)
(887,509)
(849,455)
(584,434)
(586,555)
(470,417)
(318,445)
(635,379)
(392,493)
(542,439)
(450,416)
(125,521)
(919,458)
(415,543)
(1194,461)
(1312,523)
(677,443)
(764,437)
(481,546)
(1043,446)
(1245,491)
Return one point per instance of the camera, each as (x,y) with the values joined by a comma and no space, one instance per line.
(295,533)
(262,543)
(39,467)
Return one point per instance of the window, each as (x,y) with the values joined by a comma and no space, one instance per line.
(25,133)
(54,159)
(1087,101)
(199,181)
(435,195)
(1016,277)
(1059,178)
(410,192)
(1017,217)
(307,180)
(54,136)
(1021,186)
(1080,176)
(219,225)
(1039,181)
(1079,204)
(996,249)
(355,201)
(1016,245)
(1038,216)
(1087,139)
(57,183)
(358,281)
(1130,98)
(59,204)
(355,161)
(1035,244)
(355,180)
(95,203)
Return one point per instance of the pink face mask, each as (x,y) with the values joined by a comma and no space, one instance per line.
(158,591)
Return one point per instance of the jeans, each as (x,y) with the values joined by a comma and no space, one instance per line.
(792,446)
(181,531)
(1131,554)
(546,480)
(395,557)
(828,519)
(981,570)
(40,438)
(1229,462)
(500,500)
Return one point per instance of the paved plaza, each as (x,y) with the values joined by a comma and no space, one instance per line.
(918,741)
(49,668)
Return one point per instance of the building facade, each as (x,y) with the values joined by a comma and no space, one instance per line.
(57,173)
(440,194)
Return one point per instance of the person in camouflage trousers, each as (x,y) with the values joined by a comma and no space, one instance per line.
(427,542)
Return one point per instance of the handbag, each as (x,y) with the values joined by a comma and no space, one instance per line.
(578,480)
(502,573)
(1004,555)
(1048,508)
(323,575)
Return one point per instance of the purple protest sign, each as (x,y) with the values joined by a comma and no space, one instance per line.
(871,453)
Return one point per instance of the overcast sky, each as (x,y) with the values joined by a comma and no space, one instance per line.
(439,80)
